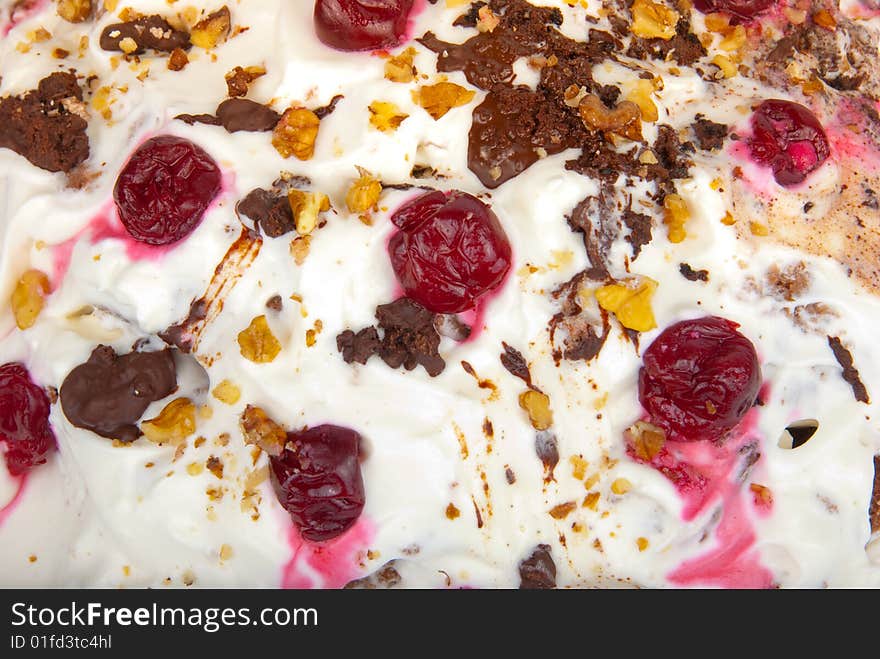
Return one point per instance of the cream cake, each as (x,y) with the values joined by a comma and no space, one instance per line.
(392,293)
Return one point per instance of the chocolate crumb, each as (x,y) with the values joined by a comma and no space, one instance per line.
(275,303)
(850,373)
(386,577)
(640,230)
(40,125)
(692,275)
(509,476)
(710,135)
(538,571)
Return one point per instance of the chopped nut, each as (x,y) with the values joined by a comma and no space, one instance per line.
(215,466)
(452,512)
(128,45)
(763,495)
(563,510)
(733,40)
(823,18)
(439,99)
(537,405)
(364,193)
(257,343)
(642,543)
(227,392)
(74,11)
(195,468)
(759,229)
(239,78)
(621,486)
(646,439)
(623,120)
(640,94)
(727,67)
(175,423)
(178,60)
(717,22)
(28,298)
(578,467)
(676,217)
(306,206)
(259,430)
(400,68)
(591,501)
(487,21)
(299,249)
(296,133)
(630,302)
(728,220)
(386,117)
(213,30)
(225,552)
(652,20)
(574,95)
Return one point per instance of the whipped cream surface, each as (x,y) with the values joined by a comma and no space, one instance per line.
(456,495)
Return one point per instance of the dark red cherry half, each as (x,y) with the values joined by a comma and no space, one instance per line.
(699,379)
(163,191)
(24,420)
(450,250)
(354,25)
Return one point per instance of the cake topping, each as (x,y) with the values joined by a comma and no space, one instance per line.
(317,479)
(236,114)
(699,378)
(789,139)
(145,33)
(24,420)
(450,251)
(47,125)
(850,373)
(354,25)
(538,571)
(109,393)
(409,338)
(163,191)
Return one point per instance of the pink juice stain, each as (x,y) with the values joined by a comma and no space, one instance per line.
(22,12)
(335,562)
(10,507)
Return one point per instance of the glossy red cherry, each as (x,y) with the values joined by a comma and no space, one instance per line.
(789,139)
(450,250)
(318,481)
(362,24)
(743,10)
(164,190)
(699,379)
(24,420)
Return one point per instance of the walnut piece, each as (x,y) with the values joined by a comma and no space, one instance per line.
(676,217)
(630,302)
(385,116)
(646,439)
(257,343)
(364,193)
(239,78)
(28,298)
(439,99)
(227,392)
(75,11)
(306,207)
(652,20)
(213,30)
(259,430)
(624,119)
(537,405)
(400,68)
(175,423)
(296,133)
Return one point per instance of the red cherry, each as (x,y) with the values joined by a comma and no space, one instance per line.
(318,481)
(24,420)
(353,25)
(739,10)
(699,379)
(450,250)
(788,138)
(164,190)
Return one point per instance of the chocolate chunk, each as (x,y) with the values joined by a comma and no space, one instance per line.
(538,571)
(597,237)
(271,212)
(874,513)
(238,81)
(408,339)
(670,152)
(850,373)
(783,50)
(148,32)
(110,393)
(584,345)
(692,275)
(237,114)
(509,476)
(710,135)
(275,303)
(386,577)
(513,360)
(547,448)
(44,125)
(640,230)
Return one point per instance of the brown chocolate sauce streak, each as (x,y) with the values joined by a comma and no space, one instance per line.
(148,32)
(850,373)
(874,511)
(186,334)
(327,110)
(237,114)
(110,393)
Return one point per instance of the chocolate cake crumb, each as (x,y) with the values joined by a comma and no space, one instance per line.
(547,448)
(42,126)
(538,571)
(109,393)
(710,135)
(148,33)
(270,212)
(684,48)
(850,373)
(513,360)
(692,275)
(238,81)
(640,230)
(408,339)
(874,513)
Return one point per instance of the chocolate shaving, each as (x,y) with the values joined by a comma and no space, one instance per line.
(513,360)
(692,275)
(148,32)
(874,512)
(850,373)
(538,571)
(408,339)
(41,126)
